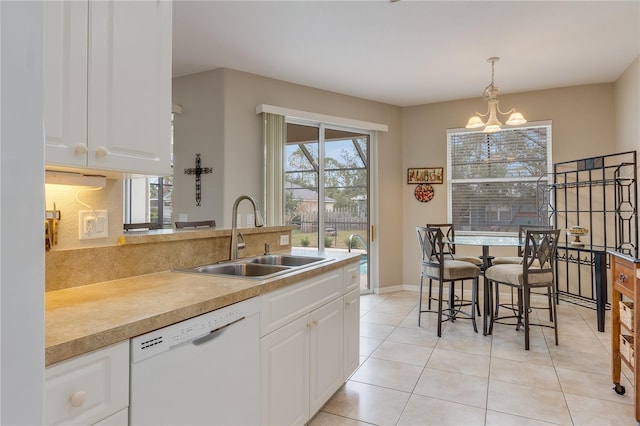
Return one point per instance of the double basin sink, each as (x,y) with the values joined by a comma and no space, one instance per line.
(259,267)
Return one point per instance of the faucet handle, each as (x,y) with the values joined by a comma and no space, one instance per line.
(267,248)
(241,243)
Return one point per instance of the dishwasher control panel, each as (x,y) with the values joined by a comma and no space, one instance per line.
(161,340)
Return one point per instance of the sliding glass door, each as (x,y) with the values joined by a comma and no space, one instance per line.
(327,189)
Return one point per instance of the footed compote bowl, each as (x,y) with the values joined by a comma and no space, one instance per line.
(576,232)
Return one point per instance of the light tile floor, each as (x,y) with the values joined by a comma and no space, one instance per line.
(409,376)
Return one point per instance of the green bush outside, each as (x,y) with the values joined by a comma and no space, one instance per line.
(310,239)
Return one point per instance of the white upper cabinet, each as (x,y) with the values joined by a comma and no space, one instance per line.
(108,86)
(65,70)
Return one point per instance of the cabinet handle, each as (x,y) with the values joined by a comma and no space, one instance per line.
(80,149)
(622,278)
(78,398)
(352,302)
(102,152)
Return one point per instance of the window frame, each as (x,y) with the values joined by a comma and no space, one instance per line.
(451,180)
(130,193)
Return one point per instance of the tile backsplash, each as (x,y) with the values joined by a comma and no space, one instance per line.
(152,253)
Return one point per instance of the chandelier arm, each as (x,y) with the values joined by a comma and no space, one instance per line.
(505,113)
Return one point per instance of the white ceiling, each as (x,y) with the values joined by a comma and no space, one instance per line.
(410,52)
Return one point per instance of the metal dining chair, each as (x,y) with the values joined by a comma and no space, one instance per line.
(449,234)
(436,264)
(522,229)
(536,271)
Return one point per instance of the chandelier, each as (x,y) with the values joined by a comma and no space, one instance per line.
(491,95)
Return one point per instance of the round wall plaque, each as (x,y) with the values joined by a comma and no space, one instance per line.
(424,192)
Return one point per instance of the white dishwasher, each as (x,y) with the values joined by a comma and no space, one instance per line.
(202,371)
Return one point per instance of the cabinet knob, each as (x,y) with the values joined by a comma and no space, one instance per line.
(102,152)
(78,398)
(80,149)
(622,278)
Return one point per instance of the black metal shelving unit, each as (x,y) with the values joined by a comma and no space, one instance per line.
(600,194)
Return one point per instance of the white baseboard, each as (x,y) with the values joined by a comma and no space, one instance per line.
(393,289)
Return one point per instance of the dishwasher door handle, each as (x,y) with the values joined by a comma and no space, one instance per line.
(214,333)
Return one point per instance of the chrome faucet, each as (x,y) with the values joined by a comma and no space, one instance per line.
(259,222)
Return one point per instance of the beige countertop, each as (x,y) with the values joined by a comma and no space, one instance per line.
(86,318)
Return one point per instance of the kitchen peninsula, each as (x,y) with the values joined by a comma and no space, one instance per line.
(89,319)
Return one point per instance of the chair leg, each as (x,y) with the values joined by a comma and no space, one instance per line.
(519,315)
(526,304)
(490,311)
(429,301)
(420,300)
(554,315)
(440,285)
(452,298)
(474,302)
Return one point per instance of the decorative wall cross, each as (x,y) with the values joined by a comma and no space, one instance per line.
(198,170)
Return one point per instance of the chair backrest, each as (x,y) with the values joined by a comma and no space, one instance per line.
(522,230)
(540,250)
(448,233)
(196,224)
(138,226)
(431,245)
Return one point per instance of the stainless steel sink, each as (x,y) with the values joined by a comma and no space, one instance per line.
(243,269)
(260,267)
(286,260)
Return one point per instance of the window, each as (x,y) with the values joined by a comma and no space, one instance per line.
(149,200)
(493,177)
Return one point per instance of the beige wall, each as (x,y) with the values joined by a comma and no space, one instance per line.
(242,148)
(199,129)
(583,126)
(627,108)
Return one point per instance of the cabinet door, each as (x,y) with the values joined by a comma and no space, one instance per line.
(65,83)
(88,388)
(351,332)
(326,355)
(285,374)
(129,117)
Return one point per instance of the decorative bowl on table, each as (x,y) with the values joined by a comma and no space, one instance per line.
(576,232)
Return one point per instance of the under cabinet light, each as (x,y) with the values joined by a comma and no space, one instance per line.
(76,179)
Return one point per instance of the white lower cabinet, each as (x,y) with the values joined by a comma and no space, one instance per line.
(351,332)
(89,389)
(326,354)
(303,353)
(285,374)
